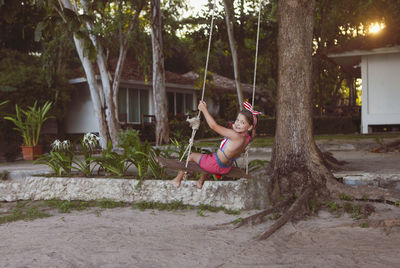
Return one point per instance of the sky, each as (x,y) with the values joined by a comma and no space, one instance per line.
(195,6)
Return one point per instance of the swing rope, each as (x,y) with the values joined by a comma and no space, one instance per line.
(254,79)
(195,122)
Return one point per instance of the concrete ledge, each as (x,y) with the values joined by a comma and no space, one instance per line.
(366,178)
(237,195)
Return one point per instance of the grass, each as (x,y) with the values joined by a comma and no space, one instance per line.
(4,175)
(29,214)
(31,210)
(345,197)
(68,206)
(178,205)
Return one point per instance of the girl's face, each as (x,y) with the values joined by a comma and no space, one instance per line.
(241,124)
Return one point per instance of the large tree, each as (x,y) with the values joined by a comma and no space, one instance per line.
(299,176)
(89,21)
(296,163)
(229,19)
(159,90)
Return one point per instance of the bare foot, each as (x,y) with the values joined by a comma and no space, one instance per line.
(198,184)
(175,182)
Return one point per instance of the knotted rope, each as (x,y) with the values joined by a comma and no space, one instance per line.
(195,121)
(254,83)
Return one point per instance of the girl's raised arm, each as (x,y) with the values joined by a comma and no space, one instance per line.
(223,131)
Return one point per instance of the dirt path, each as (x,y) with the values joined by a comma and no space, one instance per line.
(123,237)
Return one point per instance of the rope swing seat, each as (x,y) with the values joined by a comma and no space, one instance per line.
(194,122)
(175,164)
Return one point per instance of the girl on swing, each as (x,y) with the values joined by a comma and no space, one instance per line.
(232,146)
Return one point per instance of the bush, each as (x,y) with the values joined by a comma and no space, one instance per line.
(336,125)
(181,131)
(10,141)
(23,82)
(322,125)
(266,126)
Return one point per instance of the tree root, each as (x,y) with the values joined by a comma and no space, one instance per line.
(259,216)
(366,223)
(288,214)
(252,219)
(390,147)
(363,192)
(330,161)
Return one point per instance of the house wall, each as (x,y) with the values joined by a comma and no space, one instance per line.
(380,90)
(81,117)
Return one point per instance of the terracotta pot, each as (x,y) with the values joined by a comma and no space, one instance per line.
(31,152)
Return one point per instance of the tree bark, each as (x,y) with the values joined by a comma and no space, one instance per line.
(113,126)
(296,164)
(232,43)
(105,98)
(95,92)
(159,90)
(123,49)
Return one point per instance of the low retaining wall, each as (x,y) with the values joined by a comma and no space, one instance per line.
(389,180)
(237,195)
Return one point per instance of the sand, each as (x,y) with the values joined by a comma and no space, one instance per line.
(124,237)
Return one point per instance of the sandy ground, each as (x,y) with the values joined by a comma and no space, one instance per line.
(123,237)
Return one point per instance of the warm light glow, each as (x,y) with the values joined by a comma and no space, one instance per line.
(375,27)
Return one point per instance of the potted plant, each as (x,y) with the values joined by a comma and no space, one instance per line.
(29,123)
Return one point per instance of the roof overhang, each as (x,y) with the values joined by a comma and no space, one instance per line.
(136,83)
(350,60)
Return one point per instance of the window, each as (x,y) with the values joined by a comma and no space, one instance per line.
(132,104)
(179,103)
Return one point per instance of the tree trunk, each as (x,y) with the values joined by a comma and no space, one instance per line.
(159,90)
(232,43)
(105,98)
(112,119)
(296,164)
(95,92)
(123,49)
(113,126)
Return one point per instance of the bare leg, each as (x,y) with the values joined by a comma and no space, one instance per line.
(195,157)
(177,180)
(200,182)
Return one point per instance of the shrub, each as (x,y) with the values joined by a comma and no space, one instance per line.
(321,125)
(336,125)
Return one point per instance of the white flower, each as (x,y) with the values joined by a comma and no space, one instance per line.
(66,144)
(90,140)
(56,145)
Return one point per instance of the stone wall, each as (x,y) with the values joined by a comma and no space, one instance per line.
(238,195)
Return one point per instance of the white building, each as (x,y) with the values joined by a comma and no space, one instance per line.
(379,69)
(136,100)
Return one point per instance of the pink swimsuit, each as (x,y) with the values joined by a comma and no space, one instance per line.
(212,164)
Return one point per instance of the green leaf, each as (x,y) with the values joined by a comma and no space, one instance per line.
(81,35)
(92,53)
(6,88)
(38,31)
